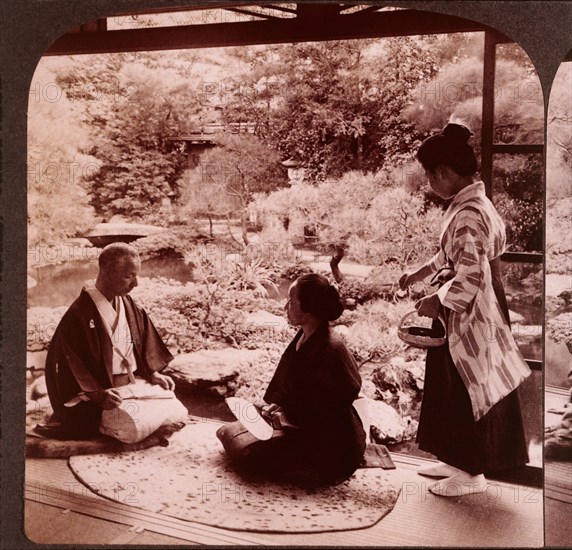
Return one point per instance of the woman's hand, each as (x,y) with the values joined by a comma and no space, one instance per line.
(406,280)
(268,411)
(411,277)
(429,306)
(276,416)
(106,399)
(163,381)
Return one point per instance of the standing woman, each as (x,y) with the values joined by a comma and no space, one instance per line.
(470,414)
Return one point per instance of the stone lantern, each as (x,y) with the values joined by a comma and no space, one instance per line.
(296,171)
(294,223)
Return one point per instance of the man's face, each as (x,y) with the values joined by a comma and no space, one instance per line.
(122,277)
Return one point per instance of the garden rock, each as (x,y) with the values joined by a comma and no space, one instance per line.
(264,319)
(38,388)
(36,360)
(516,317)
(213,371)
(526,334)
(400,383)
(369,389)
(342,330)
(387,425)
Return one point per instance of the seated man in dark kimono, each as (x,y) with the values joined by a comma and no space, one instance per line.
(104,341)
(312,394)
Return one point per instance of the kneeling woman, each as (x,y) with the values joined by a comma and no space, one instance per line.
(313,388)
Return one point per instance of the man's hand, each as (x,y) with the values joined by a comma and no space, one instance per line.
(429,306)
(163,380)
(106,399)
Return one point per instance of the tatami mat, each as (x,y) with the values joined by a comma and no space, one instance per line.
(65,492)
(504,516)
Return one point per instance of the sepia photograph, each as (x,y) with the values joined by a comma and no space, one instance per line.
(297,274)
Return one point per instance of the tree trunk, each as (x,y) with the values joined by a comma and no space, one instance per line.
(229,230)
(244,223)
(334,264)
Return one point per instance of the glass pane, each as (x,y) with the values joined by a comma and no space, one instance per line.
(519,106)
(558,300)
(530,394)
(523,288)
(518,194)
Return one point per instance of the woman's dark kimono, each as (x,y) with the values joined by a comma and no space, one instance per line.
(315,386)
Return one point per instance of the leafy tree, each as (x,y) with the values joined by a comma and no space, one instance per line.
(518,195)
(559,123)
(254,92)
(335,105)
(140,166)
(407,64)
(559,173)
(321,118)
(134,107)
(58,204)
(229,175)
(455,93)
(371,219)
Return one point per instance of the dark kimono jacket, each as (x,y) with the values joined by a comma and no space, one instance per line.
(80,359)
(316,387)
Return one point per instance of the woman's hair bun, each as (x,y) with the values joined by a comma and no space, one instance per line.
(456,132)
(319,297)
(335,305)
(449,147)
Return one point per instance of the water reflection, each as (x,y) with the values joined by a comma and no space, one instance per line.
(60,285)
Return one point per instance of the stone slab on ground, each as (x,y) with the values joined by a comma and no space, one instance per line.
(264,319)
(216,371)
(556,283)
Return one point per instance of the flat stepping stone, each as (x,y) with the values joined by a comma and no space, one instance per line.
(215,371)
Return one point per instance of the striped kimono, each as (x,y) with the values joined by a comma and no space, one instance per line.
(480,340)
